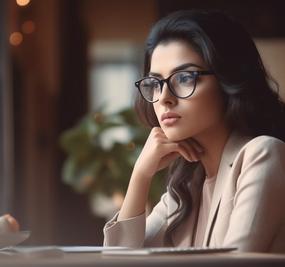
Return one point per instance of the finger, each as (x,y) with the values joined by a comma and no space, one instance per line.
(157,130)
(176,147)
(196,145)
(166,160)
(156,134)
(191,151)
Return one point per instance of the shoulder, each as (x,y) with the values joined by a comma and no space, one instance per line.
(262,153)
(266,140)
(264,144)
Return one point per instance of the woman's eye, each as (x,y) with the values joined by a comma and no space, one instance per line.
(155,85)
(185,78)
(150,84)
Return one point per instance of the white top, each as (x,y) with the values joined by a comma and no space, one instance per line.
(205,205)
(204,209)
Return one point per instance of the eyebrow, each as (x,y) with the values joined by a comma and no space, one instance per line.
(180,67)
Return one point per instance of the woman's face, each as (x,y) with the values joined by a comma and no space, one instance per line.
(200,114)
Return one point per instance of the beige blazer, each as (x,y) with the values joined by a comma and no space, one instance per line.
(247,210)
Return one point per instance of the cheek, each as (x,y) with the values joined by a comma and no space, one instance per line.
(209,112)
(156,110)
(212,106)
(203,112)
(199,116)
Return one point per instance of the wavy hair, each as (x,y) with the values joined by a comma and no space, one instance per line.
(252,104)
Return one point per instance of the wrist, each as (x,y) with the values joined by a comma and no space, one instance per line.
(141,176)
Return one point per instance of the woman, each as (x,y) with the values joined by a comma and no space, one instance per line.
(216,120)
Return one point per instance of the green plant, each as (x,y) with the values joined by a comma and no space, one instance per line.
(92,166)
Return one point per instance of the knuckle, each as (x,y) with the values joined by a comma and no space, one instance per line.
(156,130)
(156,135)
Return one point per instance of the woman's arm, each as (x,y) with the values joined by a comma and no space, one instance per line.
(157,154)
(128,228)
(135,231)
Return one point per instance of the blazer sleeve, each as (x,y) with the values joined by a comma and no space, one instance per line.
(125,233)
(138,231)
(258,214)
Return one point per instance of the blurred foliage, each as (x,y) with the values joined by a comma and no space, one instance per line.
(92,166)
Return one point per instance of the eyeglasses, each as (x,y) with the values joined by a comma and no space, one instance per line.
(181,84)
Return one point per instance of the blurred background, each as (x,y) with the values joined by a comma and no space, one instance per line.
(68,135)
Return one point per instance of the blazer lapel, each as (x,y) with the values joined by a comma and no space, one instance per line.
(232,147)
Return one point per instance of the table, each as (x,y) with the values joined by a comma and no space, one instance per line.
(97,260)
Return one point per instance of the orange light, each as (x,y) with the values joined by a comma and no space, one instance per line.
(23,2)
(28,27)
(16,38)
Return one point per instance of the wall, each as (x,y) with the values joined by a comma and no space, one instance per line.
(273,55)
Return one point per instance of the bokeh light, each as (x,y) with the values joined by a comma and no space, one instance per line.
(23,2)
(16,38)
(28,27)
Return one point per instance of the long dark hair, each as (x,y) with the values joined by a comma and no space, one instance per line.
(251,97)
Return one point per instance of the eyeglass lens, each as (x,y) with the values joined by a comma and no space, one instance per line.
(181,84)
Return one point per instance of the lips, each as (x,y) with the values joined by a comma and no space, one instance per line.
(169,118)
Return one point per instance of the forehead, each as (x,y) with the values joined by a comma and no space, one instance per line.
(167,56)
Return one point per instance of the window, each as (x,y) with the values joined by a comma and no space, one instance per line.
(114,68)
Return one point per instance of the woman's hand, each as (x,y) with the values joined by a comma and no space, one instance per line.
(159,152)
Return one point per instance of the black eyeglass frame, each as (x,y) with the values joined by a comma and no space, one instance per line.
(161,82)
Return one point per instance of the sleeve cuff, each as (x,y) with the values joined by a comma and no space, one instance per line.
(125,233)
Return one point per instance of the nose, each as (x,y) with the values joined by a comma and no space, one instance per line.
(166,98)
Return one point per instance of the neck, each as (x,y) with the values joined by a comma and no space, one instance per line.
(213,141)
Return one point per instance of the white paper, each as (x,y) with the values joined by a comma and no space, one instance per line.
(167,250)
(75,249)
